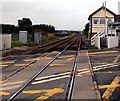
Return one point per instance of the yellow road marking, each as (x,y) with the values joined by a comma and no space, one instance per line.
(3,81)
(47,94)
(116,59)
(32,59)
(42,98)
(38,59)
(1,63)
(57,64)
(104,72)
(66,56)
(20,64)
(70,58)
(103,55)
(108,86)
(4,93)
(46,58)
(100,63)
(102,52)
(109,91)
(88,73)
(79,75)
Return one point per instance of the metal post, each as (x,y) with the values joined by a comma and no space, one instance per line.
(106,32)
(105,20)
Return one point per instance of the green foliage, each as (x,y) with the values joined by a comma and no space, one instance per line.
(24,22)
(86,30)
(85,36)
(50,37)
(6,28)
(26,25)
(29,43)
(45,41)
(16,44)
(19,44)
(43,27)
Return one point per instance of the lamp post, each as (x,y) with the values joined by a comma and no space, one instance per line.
(105,21)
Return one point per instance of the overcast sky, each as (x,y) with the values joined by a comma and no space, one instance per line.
(63,14)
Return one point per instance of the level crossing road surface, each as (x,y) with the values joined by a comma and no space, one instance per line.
(108,79)
(93,81)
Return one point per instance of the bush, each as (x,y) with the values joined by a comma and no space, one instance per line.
(19,44)
(16,44)
(29,43)
(48,38)
(45,39)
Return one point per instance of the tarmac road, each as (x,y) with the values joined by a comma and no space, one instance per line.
(108,79)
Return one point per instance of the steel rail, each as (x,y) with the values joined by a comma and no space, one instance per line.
(19,90)
(18,70)
(59,42)
(71,81)
(44,45)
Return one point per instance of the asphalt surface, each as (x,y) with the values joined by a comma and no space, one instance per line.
(20,78)
(108,79)
(14,63)
(52,83)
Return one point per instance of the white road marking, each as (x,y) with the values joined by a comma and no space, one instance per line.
(83,71)
(11,87)
(45,77)
(52,79)
(14,85)
(105,65)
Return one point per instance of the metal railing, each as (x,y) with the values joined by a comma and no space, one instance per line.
(100,34)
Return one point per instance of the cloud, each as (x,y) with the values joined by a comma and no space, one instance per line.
(64,14)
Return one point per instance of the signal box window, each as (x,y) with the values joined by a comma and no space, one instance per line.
(102,21)
(95,21)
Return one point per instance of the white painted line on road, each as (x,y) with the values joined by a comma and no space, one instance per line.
(57,75)
(116,59)
(11,87)
(57,78)
(12,83)
(45,77)
(82,70)
(104,68)
(104,65)
(52,79)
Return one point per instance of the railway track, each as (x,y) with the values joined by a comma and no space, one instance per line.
(58,77)
(39,49)
(72,70)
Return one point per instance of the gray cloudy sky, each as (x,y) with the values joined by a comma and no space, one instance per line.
(63,14)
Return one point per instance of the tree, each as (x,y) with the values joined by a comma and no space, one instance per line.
(25,24)
(43,27)
(6,28)
(86,30)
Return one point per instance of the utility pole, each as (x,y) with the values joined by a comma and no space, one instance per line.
(106,24)
(105,20)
